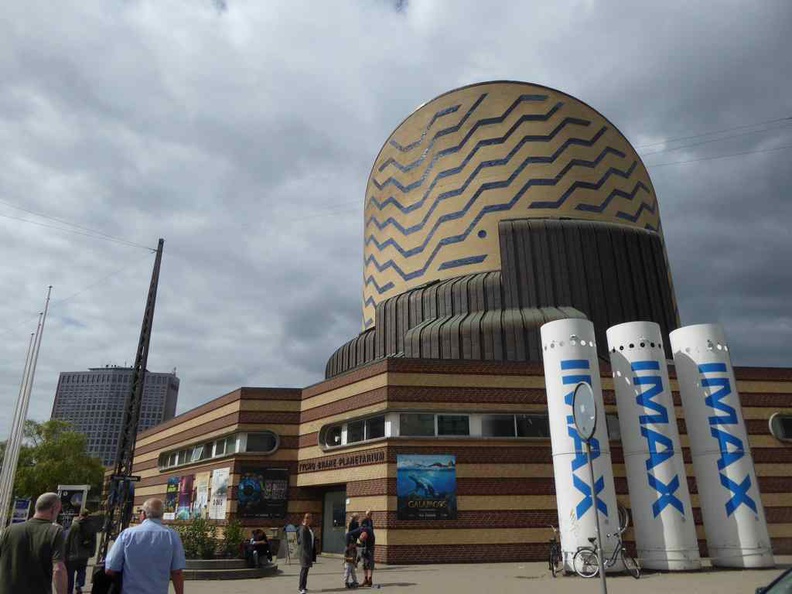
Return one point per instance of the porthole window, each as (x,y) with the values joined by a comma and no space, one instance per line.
(332,436)
(781,426)
(262,442)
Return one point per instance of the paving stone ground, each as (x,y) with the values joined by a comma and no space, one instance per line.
(492,578)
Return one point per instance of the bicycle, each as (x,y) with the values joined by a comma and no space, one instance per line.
(555,558)
(586,560)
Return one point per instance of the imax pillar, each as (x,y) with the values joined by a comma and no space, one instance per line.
(731,507)
(665,531)
(570,357)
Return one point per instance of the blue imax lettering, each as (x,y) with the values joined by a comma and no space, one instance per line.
(574,371)
(715,379)
(661,448)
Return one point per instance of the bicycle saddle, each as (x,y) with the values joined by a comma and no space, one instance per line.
(592,539)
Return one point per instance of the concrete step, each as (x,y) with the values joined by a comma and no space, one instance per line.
(230,574)
(216,564)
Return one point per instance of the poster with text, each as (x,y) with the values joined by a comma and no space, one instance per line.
(201,503)
(21,510)
(263,493)
(184,502)
(219,497)
(426,487)
(72,501)
(171,498)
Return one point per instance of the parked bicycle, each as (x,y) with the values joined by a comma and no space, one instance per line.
(555,558)
(586,560)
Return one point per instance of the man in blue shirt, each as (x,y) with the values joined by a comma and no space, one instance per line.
(149,555)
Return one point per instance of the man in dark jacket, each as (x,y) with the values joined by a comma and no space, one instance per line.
(305,536)
(31,554)
(80,547)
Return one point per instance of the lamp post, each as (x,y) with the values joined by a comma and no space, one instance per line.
(585,415)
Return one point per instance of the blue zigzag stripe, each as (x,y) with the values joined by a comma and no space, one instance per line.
(368,322)
(370,301)
(445,131)
(585,186)
(370,280)
(458,214)
(492,163)
(617,192)
(463,262)
(539,117)
(462,236)
(634,217)
(435,117)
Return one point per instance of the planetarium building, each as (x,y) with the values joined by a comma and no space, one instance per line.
(490,211)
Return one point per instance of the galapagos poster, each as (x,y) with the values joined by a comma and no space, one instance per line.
(426,487)
(263,493)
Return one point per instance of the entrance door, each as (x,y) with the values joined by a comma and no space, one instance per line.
(333,520)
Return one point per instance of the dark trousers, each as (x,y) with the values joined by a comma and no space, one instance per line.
(304,577)
(76,567)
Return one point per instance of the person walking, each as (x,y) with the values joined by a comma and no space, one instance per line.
(307,551)
(31,553)
(148,555)
(80,547)
(350,554)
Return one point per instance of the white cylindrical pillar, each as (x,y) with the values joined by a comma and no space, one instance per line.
(731,507)
(570,357)
(665,531)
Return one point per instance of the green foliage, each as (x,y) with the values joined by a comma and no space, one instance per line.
(199,538)
(51,455)
(233,538)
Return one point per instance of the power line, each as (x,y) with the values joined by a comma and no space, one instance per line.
(784,119)
(684,146)
(93,235)
(770,150)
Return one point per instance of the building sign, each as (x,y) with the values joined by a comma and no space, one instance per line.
(347,461)
(263,493)
(171,498)
(21,510)
(219,496)
(72,503)
(426,487)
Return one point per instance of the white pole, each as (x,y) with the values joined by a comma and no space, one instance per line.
(12,458)
(6,477)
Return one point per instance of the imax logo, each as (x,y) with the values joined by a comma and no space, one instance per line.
(661,448)
(715,379)
(574,371)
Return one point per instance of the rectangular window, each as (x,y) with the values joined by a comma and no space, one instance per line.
(220,447)
(614,430)
(355,431)
(453,425)
(416,425)
(375,427)
(497,426)
(197,453)
(533,426)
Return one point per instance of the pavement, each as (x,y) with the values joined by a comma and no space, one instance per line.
(492,578)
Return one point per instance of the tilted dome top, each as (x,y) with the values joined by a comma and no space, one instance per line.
(475,156)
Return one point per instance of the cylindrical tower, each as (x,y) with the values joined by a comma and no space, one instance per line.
(665,531)
(731,506)
(570,357)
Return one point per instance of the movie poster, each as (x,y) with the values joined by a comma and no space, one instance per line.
(263,493)
(72,502)
(201,503)
(171,498)
(219,495)
(426,487)
(184,501)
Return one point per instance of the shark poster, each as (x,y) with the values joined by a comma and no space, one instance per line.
(426,487)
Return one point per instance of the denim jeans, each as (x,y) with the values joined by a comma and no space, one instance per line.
(76,567)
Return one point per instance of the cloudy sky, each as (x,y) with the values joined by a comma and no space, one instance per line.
(243,132)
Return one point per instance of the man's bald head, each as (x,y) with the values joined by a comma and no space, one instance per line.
(48,506)
(153,508)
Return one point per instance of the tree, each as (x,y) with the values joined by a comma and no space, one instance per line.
(53,454)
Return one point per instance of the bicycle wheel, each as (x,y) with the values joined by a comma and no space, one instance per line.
(630,565)
(585,562)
